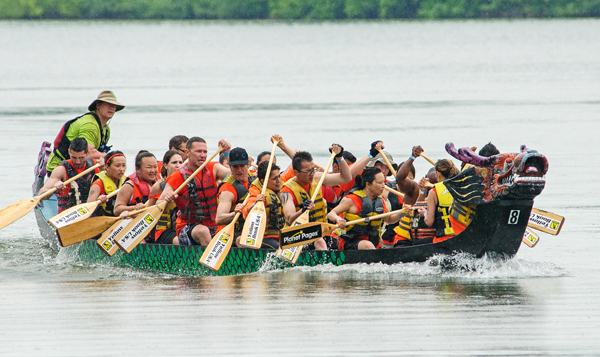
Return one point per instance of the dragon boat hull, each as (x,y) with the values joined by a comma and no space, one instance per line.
(497,228)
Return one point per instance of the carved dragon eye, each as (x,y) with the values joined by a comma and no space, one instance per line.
(518,159)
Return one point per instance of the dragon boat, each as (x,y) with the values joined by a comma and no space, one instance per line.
(502,187)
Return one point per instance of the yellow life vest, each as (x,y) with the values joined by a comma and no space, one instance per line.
(317,214)
(168,216)
(442,223)
(372,228)
(107,209)
(275,217)
(404,227)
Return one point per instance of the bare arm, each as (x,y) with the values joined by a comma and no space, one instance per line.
(286,149)
(154,191)
(123,198)
(344,176)
(220,171)
(289,209)
(59,175)
(431,208)
(224,217)
(345,205)
(94,193)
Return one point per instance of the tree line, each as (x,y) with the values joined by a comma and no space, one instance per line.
(296,9)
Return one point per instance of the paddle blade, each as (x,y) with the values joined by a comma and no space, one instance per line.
(139,227)
(254,227)
(107,242)
(216,252)
(82,230)
(304,234)
(545,221)
(289,255)
(73,214)
(16,210)
(530,238)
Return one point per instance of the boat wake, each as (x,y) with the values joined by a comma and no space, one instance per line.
(457,266)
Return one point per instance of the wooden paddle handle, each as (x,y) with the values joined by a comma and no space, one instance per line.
(400,194)
(322,177)
(113,193)
(268,174)
(197,171)
(52,190)
(428,159)
(377,216)
(237,215)
(387,162)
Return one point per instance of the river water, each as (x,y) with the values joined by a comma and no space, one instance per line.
(530,82)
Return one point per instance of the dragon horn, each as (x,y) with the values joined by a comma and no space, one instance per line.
(468,156)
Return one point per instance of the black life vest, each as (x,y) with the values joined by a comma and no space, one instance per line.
(61,143)
(76,192)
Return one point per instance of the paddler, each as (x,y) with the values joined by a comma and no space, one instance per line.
(107,181)
(136,189)
(164,231)
(92,126)
(297,191)
(76,192)
(364,200)
(273,207)
(232,191)
(197,202)
(439,201)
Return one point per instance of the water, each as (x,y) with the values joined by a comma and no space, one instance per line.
(406,83)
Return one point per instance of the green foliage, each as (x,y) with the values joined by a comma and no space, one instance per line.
(295,9)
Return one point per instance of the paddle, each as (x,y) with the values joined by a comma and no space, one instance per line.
(389,189)
(309,232)
(291,255)
(107,241)
(387,162)
(86,229)
(16,210)
(530,238)
(545,221)
(77,213)
(256,223)
(219,246)
(427,158)
(142,224)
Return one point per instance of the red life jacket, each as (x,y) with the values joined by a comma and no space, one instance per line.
(141,189)
(77,191)
(199,201)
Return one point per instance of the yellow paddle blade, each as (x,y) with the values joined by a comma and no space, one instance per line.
(530,238)
(139,227)
(219,247)
(291,255)
(16,210)
(106,242)
(73,214)
(254,227)
(82,230)
(545,221)
(304,234)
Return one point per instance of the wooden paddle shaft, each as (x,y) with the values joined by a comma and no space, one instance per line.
(314,195)
(51,191)
(184,184)
(394,192)
(428,159)
(387,162)
(268,174)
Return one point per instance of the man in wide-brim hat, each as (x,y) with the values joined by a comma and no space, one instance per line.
(92,126)
(379,162)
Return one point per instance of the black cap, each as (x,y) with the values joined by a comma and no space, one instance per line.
(238,156)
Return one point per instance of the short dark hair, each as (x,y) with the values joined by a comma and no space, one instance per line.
(168,155)
(299,158)
(108,158)
(367,176)
(222,158)
(79,144)
(261,155)
(488,150)
(140,155)
(194,139)
(177,140)
(261,170)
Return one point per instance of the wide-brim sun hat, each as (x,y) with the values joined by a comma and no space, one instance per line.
(106,96)
(380,158)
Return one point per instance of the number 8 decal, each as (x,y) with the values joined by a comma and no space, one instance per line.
(513,217)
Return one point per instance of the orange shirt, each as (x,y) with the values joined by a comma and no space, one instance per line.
(175,180)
